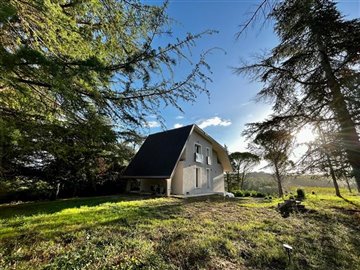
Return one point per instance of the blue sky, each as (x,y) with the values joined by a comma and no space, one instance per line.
(230,106)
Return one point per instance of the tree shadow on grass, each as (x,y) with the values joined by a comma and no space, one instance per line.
(326,250)
(102,224)
(51,218)
(70,220)
(350,202)
(50,207)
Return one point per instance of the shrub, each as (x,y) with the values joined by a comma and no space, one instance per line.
(238,193)
(259,195)
(300,194)
(248,193)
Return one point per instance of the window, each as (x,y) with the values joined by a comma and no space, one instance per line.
(197,148)
(197,177)
(198,157)
(208,177)
(208,157)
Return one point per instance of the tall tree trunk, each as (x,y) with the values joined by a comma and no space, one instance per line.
(332,173)
(349,136)
(242,180)
(348,184)
(278,179)
(238,178)
(57,191)
(328,160)
(228,182)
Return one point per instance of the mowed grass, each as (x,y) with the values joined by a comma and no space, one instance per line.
(166,233)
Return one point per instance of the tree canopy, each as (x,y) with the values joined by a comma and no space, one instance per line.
(313,73)
(242,163)
(78,78)
(275,146)
(61,57)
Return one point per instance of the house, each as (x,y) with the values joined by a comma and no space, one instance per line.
(183,161)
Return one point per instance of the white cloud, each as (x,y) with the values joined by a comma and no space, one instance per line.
(214,121)
(179,117)
(153,124)
(178,125)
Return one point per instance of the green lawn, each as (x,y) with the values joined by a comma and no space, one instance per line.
(166,233)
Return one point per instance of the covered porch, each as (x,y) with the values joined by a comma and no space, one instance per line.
(152,186)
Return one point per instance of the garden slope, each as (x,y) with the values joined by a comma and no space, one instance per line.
(168,233)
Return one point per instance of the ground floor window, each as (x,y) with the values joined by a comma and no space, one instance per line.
(197,177)
(208,177)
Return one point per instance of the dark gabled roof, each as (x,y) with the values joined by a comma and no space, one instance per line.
(158,155)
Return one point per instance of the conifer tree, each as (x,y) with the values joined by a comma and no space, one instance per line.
(314,71)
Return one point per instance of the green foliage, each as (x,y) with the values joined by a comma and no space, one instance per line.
(74,158)
(78,79)
(275,146)
(56,58)
(311,75)
(248,193)
(242,163)
(23,189)
(238,193)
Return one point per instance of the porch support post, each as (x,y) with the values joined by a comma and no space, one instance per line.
(168,187)
(128,185)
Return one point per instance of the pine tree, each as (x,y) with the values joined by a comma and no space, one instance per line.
(275,147)
(314,71)
(243,162)
(72,72)
(57,57)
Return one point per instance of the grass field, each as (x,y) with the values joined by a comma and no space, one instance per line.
(167,233)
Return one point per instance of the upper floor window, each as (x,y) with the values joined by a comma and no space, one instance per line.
(208,157)
(198,157)
(197,148)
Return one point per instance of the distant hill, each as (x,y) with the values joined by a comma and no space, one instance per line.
(264,182)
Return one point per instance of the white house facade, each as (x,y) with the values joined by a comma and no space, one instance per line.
(184,161)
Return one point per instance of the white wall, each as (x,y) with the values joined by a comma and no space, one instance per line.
(177,180)
(218,176)
(189,165)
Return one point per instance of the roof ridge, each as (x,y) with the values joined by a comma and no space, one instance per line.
(187,126)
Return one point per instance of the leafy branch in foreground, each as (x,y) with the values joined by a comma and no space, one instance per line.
(61,56)
(77,80)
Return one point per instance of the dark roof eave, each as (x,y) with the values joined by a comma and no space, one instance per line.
(144,177)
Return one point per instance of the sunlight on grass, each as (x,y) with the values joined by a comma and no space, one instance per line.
(75,218)
(168,233)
